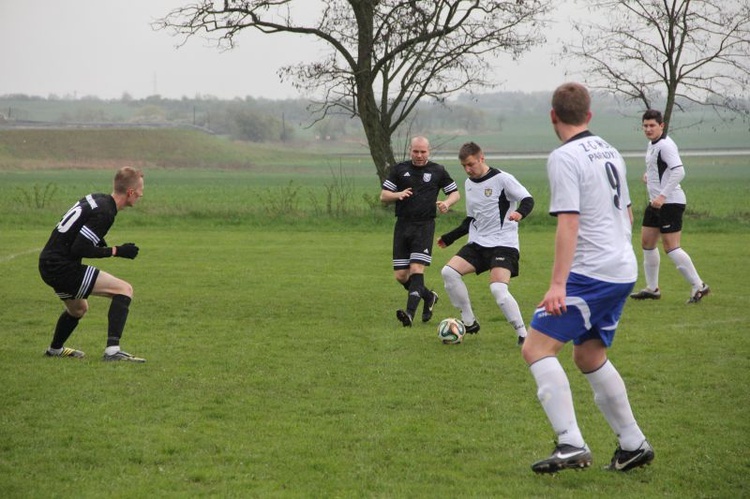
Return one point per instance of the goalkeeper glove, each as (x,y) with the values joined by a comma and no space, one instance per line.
(127,250)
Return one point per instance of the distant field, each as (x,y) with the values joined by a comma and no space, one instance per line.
(106,148)
(519,133)
(325,191)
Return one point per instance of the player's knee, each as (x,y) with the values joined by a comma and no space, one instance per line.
(126,289)
(78,310)
(588,360)
(401,275)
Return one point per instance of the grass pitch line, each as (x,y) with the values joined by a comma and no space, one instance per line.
(8,258)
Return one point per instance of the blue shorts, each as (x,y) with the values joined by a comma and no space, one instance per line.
(594,309)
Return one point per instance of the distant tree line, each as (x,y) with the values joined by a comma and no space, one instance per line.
(268,120)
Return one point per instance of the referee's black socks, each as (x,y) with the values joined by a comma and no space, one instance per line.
(416,290)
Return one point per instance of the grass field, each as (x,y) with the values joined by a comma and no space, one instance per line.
(276,367)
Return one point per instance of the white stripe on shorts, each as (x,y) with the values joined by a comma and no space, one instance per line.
(87,283)
(421,257)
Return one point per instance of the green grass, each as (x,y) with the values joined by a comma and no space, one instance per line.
(333,190)
(276,367)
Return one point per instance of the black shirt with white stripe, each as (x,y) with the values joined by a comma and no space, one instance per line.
(80,232)
(425,182)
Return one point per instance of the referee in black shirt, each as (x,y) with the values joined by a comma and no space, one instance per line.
(414,186)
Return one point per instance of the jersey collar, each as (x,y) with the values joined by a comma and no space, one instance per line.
(585,133)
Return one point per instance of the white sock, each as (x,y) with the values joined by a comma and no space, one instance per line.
(557,400)
(111,350)
(458,294)
(611,397)
(685,265)
(509,306)
(651,260)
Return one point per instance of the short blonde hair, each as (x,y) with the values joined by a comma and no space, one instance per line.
(127,178)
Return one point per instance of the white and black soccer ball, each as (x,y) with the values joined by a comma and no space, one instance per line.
(451,331)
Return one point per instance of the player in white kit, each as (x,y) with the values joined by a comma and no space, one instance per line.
(663,215)
(495,203)
(593,272)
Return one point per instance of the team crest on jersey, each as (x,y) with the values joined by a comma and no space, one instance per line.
(427,177)
(488,193)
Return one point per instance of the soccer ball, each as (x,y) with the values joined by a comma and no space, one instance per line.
(451,331)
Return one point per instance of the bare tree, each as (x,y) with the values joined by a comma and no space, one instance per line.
(683,51)
(385,55)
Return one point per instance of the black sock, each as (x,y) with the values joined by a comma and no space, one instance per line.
(118,314)
(406,284)
(415,293)
(66,324)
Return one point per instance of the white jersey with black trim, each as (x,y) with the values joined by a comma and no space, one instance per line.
(489,201)
(588,177)
(664,171)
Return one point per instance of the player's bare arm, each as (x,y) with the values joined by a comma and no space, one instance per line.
(387,196)
(565,248)
(444,206)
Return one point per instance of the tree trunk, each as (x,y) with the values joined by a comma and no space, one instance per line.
(669,107)
(375,121)
(379,140)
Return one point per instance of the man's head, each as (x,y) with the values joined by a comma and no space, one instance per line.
(571,107)
(472,159)
(128,186)
(653,124)
(572,104)
(419,151)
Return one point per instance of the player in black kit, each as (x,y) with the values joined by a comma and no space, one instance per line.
(80,234)
(414,186)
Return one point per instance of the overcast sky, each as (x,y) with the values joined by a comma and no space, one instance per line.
(107,47)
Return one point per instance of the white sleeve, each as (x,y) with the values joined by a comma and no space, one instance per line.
(516,189)
(675,172)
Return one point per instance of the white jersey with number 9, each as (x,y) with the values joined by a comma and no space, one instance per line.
(588,177)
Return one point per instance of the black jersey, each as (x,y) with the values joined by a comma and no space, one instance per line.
(425,183)
(80,233)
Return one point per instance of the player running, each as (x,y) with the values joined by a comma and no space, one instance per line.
(414,186)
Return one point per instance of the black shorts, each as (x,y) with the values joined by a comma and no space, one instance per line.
(484,259)
(412,243)
(668,218)
(71,282)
